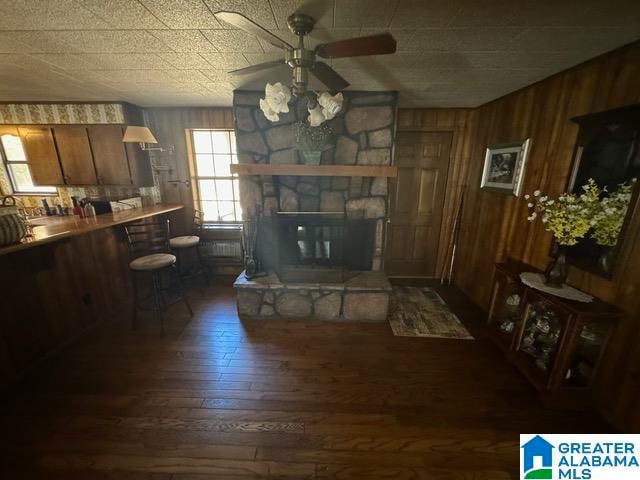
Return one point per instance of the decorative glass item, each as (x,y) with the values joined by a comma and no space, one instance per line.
(316,118)
(541,334)
(587,352)
(556,273)
(506,309)
(311,157)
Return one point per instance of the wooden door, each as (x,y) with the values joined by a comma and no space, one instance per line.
(139,164)
(75,155)
(42,155)
(417,198)
(109,156)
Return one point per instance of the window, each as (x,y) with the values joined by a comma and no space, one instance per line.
(216,190)
(15,160)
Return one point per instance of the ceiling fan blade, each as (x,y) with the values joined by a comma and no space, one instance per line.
(257,68)
(249,26)
(381,44)
(329,76)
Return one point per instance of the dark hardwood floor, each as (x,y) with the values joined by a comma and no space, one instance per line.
(223,399)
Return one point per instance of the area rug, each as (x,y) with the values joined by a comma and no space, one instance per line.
(420,312)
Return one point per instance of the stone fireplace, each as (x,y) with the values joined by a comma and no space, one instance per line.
(320,239)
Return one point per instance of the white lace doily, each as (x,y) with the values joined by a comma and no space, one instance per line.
(536,280)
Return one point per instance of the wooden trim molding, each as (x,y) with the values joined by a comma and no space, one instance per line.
(316,170)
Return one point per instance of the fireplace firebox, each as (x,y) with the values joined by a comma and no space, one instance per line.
(315,247)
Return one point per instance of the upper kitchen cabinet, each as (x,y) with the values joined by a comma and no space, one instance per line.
(42,155)
(75,155)
(109,155)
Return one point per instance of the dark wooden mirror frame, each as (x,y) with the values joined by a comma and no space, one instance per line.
(590,126)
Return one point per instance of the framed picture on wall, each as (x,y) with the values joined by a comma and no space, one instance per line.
(504,167)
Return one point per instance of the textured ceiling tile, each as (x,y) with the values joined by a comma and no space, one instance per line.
(125,61)
(424,14)
(364,13)
(225,61)
(47,15)
(574,39)
(112,41)
(321,10)
(184,61)
(123,13)
(45,41)
(65,61)
(233,41)
(150,76)
(182,13)
(10,43)
(189,76)
(184,40)
(475,39)
(257,10)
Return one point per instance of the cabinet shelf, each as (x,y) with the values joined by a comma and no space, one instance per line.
(316,170)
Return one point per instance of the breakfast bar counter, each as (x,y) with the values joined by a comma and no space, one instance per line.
(54,228)
(71,275)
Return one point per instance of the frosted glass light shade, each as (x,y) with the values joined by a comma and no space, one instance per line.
(136,134)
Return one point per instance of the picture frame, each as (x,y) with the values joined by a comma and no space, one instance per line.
(504,167)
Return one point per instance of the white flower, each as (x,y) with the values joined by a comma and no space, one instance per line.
(269,113)
(530,205)
(331,106)
(551,202)
(527,196)
(536,193)
(532,217)
(278,97)
(545,219)
(544,199)
(315,116)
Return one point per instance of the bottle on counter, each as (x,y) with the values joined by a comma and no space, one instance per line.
(47,209)
(89,210)
(60,210)
(78,211)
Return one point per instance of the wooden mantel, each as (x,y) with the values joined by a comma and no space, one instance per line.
(316,170)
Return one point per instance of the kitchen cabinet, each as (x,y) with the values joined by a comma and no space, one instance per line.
(109,155)
(40,149)
(75,155)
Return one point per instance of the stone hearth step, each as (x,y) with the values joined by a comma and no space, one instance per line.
(362,298)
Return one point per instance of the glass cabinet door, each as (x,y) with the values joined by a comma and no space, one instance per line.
(587,351)
(544,325)
(506,310)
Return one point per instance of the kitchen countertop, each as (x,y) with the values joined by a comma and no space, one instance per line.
(54,228)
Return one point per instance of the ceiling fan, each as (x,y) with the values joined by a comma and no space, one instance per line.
(303,60)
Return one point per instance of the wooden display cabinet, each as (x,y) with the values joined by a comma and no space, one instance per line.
(556,343)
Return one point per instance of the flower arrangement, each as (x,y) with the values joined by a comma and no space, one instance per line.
(567,218)
(310,139)
(609,212)
(572,216)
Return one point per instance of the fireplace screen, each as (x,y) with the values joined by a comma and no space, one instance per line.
(311,245)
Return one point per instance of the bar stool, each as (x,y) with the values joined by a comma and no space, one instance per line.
(185,243)
(149,250)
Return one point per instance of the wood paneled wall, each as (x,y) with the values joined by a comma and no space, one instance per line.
(168,125)
(495,226)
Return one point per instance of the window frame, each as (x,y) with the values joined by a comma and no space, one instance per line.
(195,179)
(6,164)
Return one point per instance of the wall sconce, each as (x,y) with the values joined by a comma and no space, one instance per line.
(143,136)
